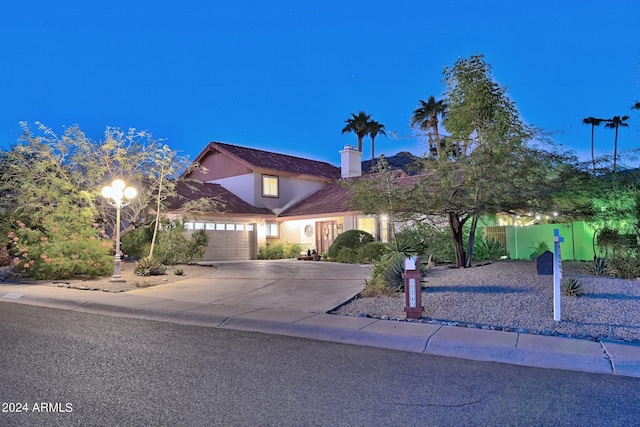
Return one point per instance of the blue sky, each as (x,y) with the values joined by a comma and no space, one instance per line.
(283,75)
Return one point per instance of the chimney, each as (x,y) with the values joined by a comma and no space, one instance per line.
(350,159)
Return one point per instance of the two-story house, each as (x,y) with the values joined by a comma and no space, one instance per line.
(273,198)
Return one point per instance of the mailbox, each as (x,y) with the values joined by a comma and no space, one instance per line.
(412,287)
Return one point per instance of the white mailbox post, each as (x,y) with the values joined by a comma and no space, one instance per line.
(412,276)
(557,273)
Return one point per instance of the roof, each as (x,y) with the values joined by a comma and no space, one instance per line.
(334,198)
(195,190)
(331,198)
(265,160)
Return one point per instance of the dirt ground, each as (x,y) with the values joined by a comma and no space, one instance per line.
(131,280)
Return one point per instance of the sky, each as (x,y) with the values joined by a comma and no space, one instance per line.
(284,75)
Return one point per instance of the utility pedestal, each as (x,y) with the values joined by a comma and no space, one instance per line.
(412,288)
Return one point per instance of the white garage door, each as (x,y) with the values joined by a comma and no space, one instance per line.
(229,241)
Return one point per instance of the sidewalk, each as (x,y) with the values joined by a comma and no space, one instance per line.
(475,344)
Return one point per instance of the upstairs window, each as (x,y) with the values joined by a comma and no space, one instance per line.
(269,186)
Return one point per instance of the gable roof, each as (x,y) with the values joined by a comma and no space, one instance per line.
(195,190)
(266,161)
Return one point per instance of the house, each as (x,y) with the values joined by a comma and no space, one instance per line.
(269,198)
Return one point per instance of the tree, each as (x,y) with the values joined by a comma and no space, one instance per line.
(615,123)
(636,106)
(358,124)
(47,177)
(492,164)
(593,122)
(426,117)
(374,128)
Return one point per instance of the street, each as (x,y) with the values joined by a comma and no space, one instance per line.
(64,368)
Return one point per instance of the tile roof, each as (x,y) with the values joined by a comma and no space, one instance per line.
(195,190)
(260,159)
(331,198)
(334,198)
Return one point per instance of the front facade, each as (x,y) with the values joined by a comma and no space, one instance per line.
(268,198)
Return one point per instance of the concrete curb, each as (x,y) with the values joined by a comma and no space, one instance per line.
(606,357)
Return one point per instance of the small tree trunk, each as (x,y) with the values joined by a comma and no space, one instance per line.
(456,226)
(472,238)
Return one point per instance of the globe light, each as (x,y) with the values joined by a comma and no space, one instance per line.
(114,195)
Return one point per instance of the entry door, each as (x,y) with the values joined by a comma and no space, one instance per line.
(325,233)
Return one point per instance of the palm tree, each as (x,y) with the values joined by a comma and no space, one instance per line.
(593,122)
(636,106)
(374,128)
(426,116)
(615,123)
(358,124)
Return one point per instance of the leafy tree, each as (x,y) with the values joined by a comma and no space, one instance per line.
(615,123)
(358,124)
(49,176)
(383,192)
(374,128)
(593,122)
(426,117)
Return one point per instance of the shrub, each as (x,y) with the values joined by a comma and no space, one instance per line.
(150,267)
(376,287)
(178,272)
(598,267)
(371,252)
(428,240)
(539,250)
(490,249)
(60,248)
(5,259)
(347,255)
(624,264)
(349,239)
(393,275)
(293,250)
(571,287)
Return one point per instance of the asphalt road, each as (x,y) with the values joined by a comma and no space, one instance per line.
(97,370)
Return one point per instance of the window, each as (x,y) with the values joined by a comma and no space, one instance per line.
(269,186)
(272,229)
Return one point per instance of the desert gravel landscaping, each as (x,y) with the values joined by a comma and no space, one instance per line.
(510,296)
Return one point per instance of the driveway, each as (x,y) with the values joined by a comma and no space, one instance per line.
(309,286)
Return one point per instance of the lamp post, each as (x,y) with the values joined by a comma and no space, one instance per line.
(115,193)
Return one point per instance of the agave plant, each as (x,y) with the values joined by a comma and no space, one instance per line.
(571,287)
(598,267)
(150,267)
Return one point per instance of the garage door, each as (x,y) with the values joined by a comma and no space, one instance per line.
(229,241)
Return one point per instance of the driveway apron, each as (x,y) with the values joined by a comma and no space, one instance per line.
(309,286)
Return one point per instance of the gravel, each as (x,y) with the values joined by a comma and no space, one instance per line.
(510,296)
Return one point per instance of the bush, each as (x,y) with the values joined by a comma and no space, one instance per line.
(173,245)
(5,259)
(490,249)
(149,267)
(428,240)
(624,264)
(598,267)
(571,287)
(353,239)
(539,250)
(60,248)
(376,287)
(347,255)
(293,250)
(371,252)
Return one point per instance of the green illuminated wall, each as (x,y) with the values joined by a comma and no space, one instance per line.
(578,240)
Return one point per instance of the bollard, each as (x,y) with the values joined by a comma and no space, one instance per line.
(412,293)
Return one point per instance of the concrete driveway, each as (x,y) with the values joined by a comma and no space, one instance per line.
(309,286)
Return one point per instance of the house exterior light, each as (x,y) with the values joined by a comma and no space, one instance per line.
(118,195)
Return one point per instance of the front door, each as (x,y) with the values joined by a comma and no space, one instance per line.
(325,233)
